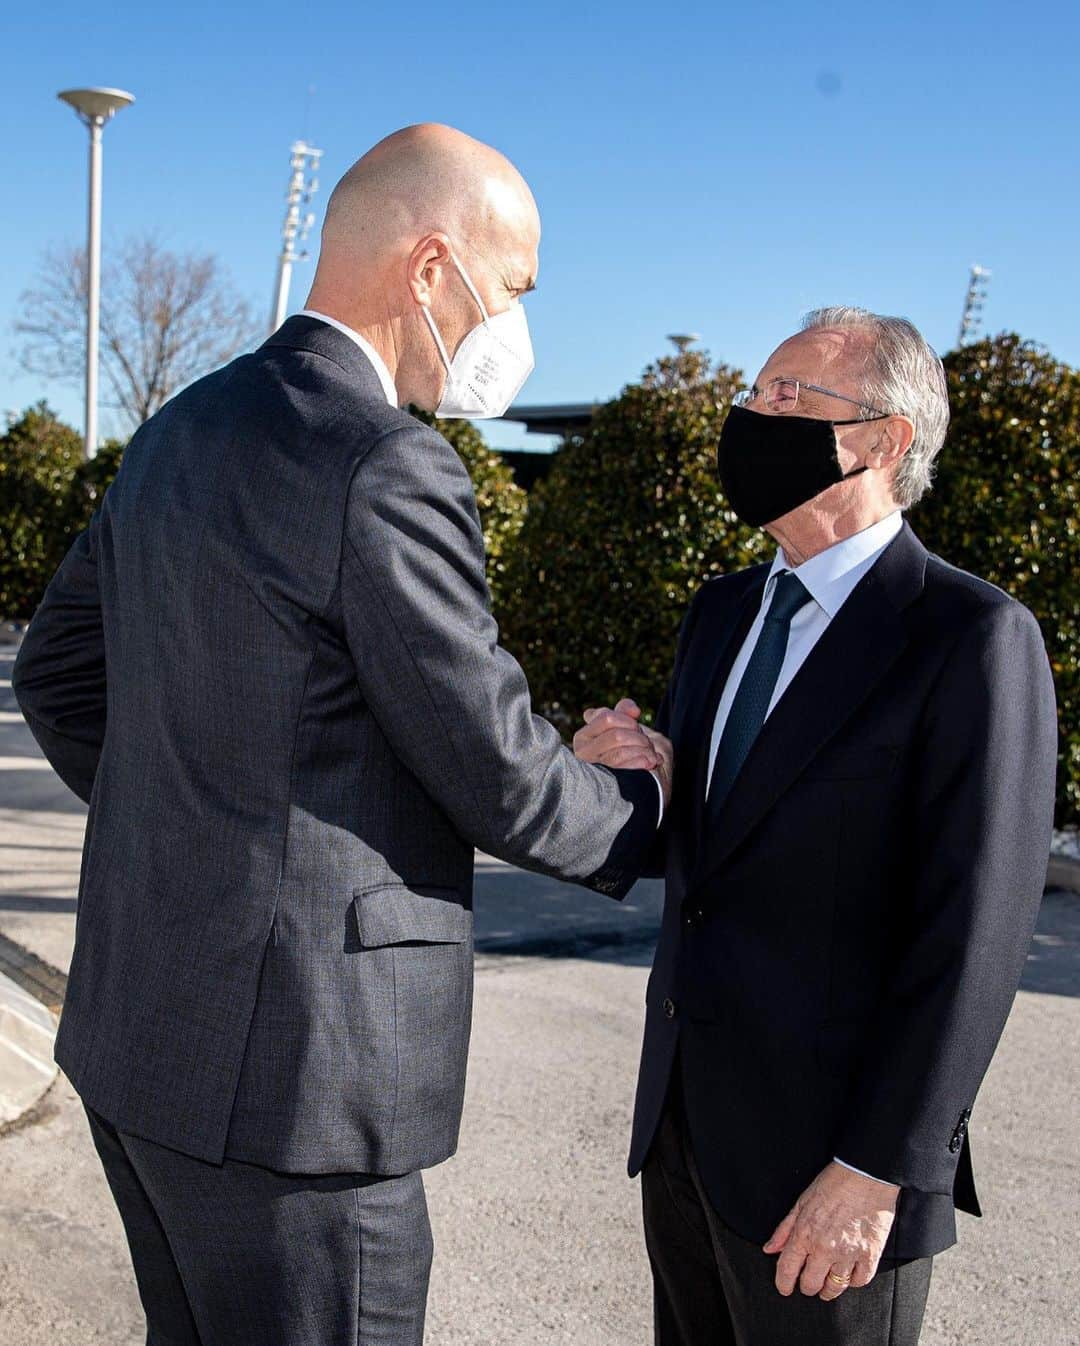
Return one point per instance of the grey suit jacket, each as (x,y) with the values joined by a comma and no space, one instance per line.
(270,667)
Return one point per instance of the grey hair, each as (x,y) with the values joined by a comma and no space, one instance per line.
(903,375)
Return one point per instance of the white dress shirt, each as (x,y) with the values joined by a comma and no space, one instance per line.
(830,578)
(392,397)
(369,350)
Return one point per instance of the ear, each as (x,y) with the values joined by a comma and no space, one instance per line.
(427,261)
(898,434)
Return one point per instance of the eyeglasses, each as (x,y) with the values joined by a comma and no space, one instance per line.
(783,395)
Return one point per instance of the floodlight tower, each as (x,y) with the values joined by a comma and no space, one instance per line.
(303,184)
(974,300)
(94,108)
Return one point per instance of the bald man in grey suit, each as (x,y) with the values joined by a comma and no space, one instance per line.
(270,668)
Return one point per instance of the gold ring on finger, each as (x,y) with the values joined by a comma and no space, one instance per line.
(839,1280)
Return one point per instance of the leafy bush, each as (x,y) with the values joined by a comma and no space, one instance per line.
(48,493)
(618,537)
(592,572)
(1006,504)
(40,460)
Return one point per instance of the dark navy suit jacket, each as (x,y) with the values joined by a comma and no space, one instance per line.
(840,952)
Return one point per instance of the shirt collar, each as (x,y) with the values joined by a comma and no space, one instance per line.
(369,350)
(831,575)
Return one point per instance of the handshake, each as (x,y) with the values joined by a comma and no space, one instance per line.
(614,738)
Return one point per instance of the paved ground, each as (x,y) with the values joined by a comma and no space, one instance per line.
(536,1226)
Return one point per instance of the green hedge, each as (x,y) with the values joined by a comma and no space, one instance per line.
(47,493)
(592,572)
(631,520)
(1006,504)
(618,536)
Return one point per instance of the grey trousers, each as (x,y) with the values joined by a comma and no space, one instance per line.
(714,1288)
(238,1255)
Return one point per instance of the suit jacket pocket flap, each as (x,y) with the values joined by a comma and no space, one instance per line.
(396,914)
(859,763)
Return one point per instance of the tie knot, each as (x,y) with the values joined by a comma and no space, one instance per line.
(791,595)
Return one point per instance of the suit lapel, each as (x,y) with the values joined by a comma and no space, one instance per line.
(861,644)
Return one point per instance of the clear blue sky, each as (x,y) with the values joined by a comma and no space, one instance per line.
(699,167)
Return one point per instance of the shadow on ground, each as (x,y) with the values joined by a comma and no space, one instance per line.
(30,902)
(1053,962)
(528,915)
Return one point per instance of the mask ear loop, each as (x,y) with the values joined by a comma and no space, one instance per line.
(444,354)
(860,420)
(471,287)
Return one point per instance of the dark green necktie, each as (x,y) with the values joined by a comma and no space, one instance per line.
(751,703)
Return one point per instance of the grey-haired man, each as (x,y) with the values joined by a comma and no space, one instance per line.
(865,745)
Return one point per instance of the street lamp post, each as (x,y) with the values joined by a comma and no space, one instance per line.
(94,108)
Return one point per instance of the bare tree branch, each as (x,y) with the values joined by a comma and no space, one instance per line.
(166,319)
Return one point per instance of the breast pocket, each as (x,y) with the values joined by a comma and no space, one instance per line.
(853,763)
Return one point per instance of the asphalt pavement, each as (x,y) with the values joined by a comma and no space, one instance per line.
(537,1227)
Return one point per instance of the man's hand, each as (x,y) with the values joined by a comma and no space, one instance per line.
(614,738)
(834,1234)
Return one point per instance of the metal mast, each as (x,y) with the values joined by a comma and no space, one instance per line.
(303,184)
(971,320)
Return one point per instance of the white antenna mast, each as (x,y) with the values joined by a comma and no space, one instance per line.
(971,320)
(303,184)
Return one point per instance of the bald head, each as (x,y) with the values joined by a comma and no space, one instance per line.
(430,179)
(419,198)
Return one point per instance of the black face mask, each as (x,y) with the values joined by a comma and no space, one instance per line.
(770,465)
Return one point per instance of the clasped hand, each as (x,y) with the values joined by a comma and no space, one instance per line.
(614,738)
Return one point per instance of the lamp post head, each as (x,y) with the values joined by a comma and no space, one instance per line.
(682,341)
(96,105)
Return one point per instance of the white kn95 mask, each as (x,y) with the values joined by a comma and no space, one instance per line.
(490,366)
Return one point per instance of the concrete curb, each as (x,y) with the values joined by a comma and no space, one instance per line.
(27,1033)
(43,982)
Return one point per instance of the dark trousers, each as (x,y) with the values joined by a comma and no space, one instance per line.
(714,1288)
(238,1255)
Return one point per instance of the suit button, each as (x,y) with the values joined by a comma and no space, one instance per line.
(669,1008)
(954,1144)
